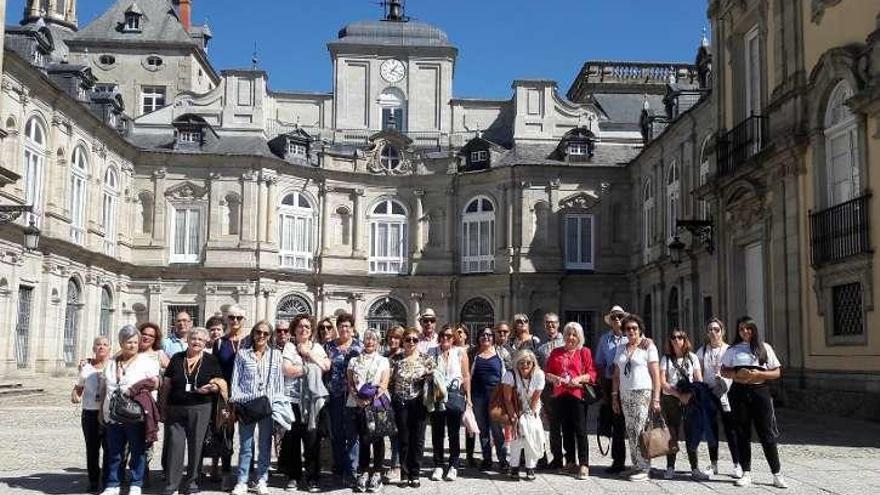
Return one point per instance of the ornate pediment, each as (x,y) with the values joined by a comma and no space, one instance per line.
(584,200)
(186,191)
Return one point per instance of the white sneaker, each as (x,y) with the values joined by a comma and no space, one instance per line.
(451,475)
(437,474)
(261,488)
(669,474)
(745,480)
(240,489)
(111,491)
(699,475)
(134,490)
(779,481)
(737,471)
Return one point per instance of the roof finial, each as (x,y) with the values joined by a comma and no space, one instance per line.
(255,60)
(479,133)
(704,41)
(394,10)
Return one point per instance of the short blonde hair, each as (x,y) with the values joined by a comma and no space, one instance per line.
(575,328)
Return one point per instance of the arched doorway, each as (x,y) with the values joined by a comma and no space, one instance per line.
(71,322)
(477,314)
(291,306)
(386,313)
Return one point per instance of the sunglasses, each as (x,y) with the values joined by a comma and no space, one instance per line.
(236,317)
(521,320)
(261,334)
(486,336)
(327,327)
(526,364)
(714,329)
(429,320)
(616,317)
(282,330)
(411,340)
(677,337)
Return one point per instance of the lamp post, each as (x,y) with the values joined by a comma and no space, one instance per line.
(10,213)
(31,236)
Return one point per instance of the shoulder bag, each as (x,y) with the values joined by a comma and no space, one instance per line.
(124,409)
(259,408)
(655,438)
(497,411)
(592,394)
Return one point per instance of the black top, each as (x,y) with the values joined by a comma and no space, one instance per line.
(203,373)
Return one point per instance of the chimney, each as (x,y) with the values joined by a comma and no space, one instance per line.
(184,11)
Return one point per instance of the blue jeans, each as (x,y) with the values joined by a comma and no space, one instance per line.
(489,431)
(246,449)
(118,435)
(343,437)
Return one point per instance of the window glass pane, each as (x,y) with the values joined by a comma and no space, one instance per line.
(381,208)
(473,206)
(474,239)
(485,233)
(194,232)
(586,240)
(382,239)
(300,234)
(571,239)
(179,231)
(395,239)
(487,205)
(396,209)
(373,239)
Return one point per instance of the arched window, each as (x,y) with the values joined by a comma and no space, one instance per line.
(388,238)
(386,313)
(649,226)
(478,236)
(673,198)
(841,148)
(477,314)
(290,306)
(393,104)
(702,204)
(71,322)
(390,158)
(78,172)
(673,319)
(34,152)
(106,323)
(296,232)
(108,210)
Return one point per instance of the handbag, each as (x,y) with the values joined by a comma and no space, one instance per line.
(456,402)
(497,411)
(259,408)
(379,421)
(124,409)
(218,442)
(591,393)
(655,438)
(470,421)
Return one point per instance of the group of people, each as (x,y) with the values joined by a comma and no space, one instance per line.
(300,382)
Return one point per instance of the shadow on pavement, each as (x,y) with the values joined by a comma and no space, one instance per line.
(70,481)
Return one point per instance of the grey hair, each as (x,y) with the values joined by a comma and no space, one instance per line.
(127,332)
(576,328)
(199,330)
(99,339)
(236,310)
(523,355)
(372,333)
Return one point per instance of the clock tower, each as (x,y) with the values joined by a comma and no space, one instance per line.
(393,72)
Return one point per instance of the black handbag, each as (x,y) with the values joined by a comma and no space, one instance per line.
(259,408)
(456,402)
(379,422)
(218,443)
(124,409)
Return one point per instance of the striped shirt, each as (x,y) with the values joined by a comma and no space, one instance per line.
(252,378)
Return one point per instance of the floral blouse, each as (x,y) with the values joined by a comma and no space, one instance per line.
(337,379)
(408,376)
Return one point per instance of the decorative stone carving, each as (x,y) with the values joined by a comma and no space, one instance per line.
(186,191)
(818,9)
(585,200)
(159,173)
(249,176)
(378,164)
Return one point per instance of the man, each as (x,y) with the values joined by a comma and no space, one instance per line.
(554,340)
(604,354)
(176,341)
(282,333)
(428,338)
(502,343)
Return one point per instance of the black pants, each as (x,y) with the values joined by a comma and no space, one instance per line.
(729,424)
(296,442)
(618,433)
(186,427)
(572,413)
(555,428)
(411,418)
(95,443)
(470,441)
(365,445)
(673,413)
(753,405)
(446,424)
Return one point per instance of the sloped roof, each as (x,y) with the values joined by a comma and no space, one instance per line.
(538,154)
(159,24)
(411,33)
(626,108)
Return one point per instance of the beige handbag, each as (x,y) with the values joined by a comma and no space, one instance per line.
(655,439)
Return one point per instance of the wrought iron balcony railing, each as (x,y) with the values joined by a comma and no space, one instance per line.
(741,143)
(841,231)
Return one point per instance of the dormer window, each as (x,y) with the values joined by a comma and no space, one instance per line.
(578,145)
(189,137)
(297,150)
(479,156)
(190,132)
(133,19)
(577,149)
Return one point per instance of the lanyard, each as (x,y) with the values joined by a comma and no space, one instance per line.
(186,375)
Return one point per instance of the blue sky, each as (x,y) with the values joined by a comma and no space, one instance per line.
(498,41)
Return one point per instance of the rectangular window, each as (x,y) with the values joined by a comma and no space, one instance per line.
(296,149)
(23,326)
(152,98)
(388,251)
(579,242)
(388,113)
(478,237)
(577,149)
(753,73)
(77,209)
(194,137)
(479,156)
(848,317)
(186,235)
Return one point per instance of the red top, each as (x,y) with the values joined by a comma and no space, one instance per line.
(564,363)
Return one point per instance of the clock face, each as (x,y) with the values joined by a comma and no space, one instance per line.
(393,70)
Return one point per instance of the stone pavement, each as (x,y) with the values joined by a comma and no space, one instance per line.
(41,451)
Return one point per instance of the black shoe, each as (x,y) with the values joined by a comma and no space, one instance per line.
(503,466)
(554,465)
(414,483)
(471,462)
(615,469)
(542,464)
(513,473)
(530,474)
(485,466)
(313,487)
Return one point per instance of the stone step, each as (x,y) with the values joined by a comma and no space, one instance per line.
(19,391)
(7,386)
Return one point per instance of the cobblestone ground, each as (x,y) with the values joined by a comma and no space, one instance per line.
(41,451)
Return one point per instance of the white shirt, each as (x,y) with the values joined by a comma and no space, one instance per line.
(639,377)
(366,369)
(689,365)
(90,379)
(710,361)
(140,368)
(526,388)
(451,365)
(741,355)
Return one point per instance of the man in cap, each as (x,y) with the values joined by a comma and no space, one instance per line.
(428,338)
(604,354)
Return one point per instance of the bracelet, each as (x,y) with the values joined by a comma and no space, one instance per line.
(656,400)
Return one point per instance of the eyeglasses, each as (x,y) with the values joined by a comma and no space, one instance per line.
(526,364)
(551,322)
(411,340)
(327,327)
(677,337)
(236,317)
(282,330)
(429,320)
(447,336)
(715,329)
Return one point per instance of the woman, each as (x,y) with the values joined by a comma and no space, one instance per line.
(523,338)
(226,349)
(522,400)
(192,379)
(678,365)
(394,346)
(215,331)
(304,438)
(150,344)
(343,438)
(88,388)
(636,388)
(570,368)
(452,361)
(131,373)
(487,371)
(409,370)
(368,376)
(710,361)
(751,363)
(463,340)
(259,371)
(326,332)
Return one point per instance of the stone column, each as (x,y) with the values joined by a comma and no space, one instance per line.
(418,243)
(415,306)
(159,207)
(451,219)
(324,191)
(357,220)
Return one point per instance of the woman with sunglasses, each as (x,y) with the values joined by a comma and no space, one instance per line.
(636,388)
(679,366)
(393,347)
(409,370)
(569,369)
(343,437)
(326,331)
(453,362)
(310,408)
(710,361)
(225,349)
(486,373)
(259,371)
(523,338)
(751,363)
